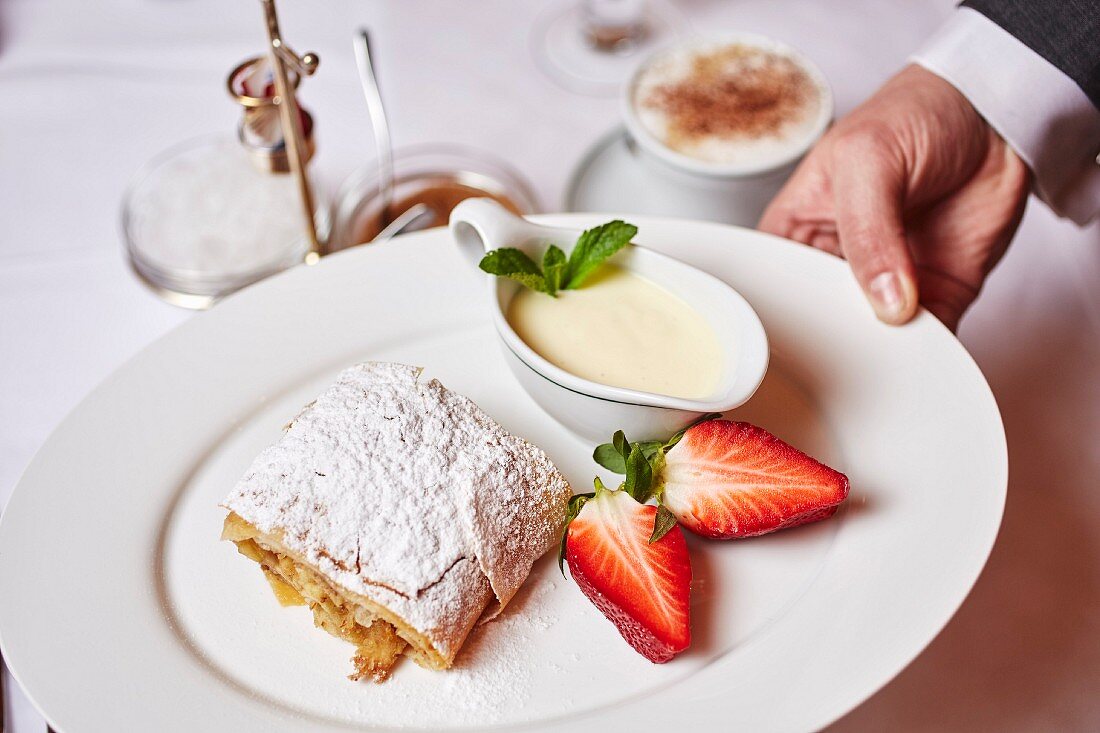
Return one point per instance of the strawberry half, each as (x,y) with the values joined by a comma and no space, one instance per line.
(731,479)
(641,586)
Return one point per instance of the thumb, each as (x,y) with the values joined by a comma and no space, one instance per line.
(869,184)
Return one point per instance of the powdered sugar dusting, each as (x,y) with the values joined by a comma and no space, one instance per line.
(409,494)
(495,676)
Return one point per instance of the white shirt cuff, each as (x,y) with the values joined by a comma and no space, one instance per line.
(1042,113)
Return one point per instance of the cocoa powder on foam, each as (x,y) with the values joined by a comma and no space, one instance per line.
(734,92)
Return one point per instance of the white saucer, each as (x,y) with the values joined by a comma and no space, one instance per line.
(611,177)
(561,50)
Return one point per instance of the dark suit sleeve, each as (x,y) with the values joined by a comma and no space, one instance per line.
(1064,32)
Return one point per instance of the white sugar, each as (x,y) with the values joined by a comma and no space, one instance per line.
(210,212)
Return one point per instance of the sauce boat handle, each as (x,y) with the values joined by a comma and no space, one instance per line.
(482,224)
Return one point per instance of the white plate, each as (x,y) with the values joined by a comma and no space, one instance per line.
(121,610)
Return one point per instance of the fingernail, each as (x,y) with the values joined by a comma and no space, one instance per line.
(887,297)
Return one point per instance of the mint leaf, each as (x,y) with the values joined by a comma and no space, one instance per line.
(512,263)
(559,272)
(555,268)
(609,457)
(639,476)
(650,447)
(594,246)
(662,523)
(576,503)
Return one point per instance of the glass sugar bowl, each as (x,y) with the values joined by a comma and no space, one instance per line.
(201,221)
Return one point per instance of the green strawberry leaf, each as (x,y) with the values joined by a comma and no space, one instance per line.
(594,246)
(662,523)
(512,263)
(639,475)
(642,462)
(613,455)
(607,456)
(622,445)
(576,503)
(555,269)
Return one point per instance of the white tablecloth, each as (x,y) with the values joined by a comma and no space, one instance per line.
(90,90)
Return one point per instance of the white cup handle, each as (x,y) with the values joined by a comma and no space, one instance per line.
(482,224)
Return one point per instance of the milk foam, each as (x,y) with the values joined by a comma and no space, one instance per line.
(740,148)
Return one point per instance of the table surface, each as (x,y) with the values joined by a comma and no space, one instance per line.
(92,90)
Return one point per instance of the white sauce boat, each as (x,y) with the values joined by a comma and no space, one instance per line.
(592,410)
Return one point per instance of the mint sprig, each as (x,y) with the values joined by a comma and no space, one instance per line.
(593,247)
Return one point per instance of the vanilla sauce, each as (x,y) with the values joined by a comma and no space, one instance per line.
(622,330)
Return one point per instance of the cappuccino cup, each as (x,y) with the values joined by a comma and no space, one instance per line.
(721,124)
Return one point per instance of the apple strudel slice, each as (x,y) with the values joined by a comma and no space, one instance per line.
(399,512)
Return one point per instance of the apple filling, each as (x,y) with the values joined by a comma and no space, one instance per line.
(377,642)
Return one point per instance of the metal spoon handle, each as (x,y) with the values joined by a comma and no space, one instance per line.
(411,220)
(378,122)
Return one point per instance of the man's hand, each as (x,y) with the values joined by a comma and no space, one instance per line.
(916,190)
